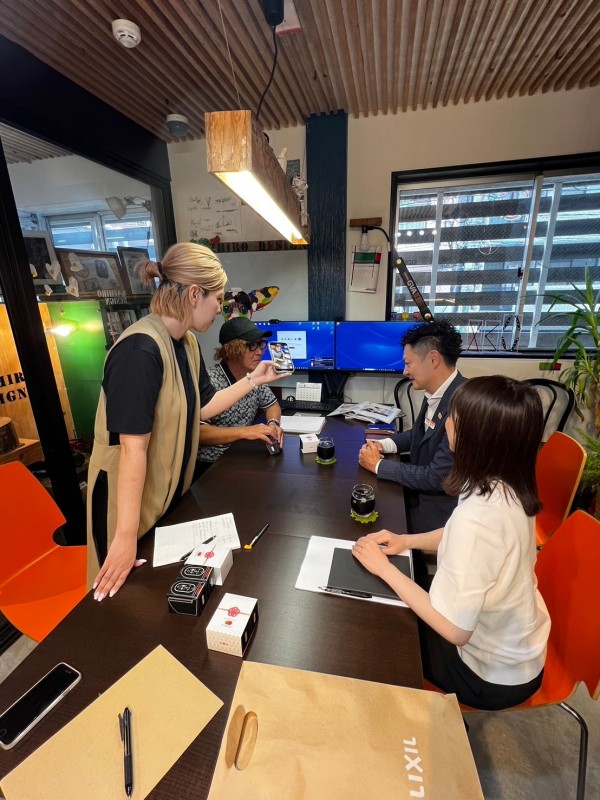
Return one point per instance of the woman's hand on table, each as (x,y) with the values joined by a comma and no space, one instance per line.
(391,543)
(119,562)
(370,555)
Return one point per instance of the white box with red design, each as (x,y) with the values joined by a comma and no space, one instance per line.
(216,555)
(231,626)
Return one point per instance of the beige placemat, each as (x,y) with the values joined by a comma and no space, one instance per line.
(169,708)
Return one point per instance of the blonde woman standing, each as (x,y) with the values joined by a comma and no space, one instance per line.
(154,393)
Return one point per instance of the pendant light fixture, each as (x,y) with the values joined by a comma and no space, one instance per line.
(238,153)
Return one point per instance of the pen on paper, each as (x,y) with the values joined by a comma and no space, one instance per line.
(256,538)
(187,555)
(206,541)
(125,729)
(349,592)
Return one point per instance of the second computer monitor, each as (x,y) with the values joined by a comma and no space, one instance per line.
(311,343)
(370,346)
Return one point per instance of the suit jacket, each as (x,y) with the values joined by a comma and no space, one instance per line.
(430,463)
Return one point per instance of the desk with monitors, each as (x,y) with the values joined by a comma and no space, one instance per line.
(342,346)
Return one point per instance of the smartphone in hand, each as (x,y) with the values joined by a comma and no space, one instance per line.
(281,357)
(31,707)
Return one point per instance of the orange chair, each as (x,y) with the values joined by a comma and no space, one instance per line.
(40,581)
(558,469)
(567,573)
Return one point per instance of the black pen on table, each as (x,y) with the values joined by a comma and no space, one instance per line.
(349,592)
(125,728)
(256,538)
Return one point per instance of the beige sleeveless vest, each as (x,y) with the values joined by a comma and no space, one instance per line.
(167,440)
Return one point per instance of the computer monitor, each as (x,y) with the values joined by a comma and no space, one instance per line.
(370,346)
(311,343)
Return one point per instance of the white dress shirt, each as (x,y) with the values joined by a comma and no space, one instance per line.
(433,401)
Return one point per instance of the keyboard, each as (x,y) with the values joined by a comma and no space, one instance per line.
(309,405)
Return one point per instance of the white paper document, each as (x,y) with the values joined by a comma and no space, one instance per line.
(172,542)
(316,566)
(301,424)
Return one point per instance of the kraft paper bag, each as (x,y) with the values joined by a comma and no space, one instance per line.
(85,758)
(307,736)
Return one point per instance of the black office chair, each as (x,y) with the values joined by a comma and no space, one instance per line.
(403,390)
(551,393)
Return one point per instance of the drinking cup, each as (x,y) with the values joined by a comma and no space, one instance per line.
(326,449)
(363,499)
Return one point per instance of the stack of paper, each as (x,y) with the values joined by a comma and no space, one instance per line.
(368,412)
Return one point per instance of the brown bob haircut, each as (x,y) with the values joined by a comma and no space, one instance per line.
(498,430)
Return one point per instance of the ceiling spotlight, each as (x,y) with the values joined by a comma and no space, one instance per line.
(126,32)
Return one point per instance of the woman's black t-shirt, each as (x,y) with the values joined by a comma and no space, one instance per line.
(132,379)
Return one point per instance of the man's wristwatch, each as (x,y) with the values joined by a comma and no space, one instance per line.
(274,422)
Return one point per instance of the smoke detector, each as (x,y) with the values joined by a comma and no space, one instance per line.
(126,32)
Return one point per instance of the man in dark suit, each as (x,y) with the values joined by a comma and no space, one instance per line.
(431,351)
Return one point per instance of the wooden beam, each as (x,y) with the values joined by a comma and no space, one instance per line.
(362,222)
(235,143)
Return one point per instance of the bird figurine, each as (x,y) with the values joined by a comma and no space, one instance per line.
(237,303)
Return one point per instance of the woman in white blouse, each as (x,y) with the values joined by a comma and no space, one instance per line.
(486,624)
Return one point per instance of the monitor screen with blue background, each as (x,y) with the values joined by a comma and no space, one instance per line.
(370,346)
(311,343)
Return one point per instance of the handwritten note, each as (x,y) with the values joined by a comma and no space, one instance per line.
(172,542)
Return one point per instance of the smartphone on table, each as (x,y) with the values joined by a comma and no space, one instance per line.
(29,709)
(281,357)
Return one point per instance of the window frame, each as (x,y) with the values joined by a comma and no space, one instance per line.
(97,219)
(485,172)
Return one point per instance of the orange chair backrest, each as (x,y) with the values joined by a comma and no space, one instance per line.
(568,579)
(28,518)
(558,471)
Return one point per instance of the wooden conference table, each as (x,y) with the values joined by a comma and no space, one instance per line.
(299,629)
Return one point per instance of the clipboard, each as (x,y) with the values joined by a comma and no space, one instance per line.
(348,573)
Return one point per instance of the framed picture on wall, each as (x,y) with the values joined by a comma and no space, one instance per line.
(130,260)
(88,272)
(45,269)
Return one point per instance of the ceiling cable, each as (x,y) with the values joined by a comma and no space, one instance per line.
(229,54)
(271,75)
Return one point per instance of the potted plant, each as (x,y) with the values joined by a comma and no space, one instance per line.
(591,471)
(583,376)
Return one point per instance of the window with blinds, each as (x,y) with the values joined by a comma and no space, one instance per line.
(488,254)
(102,231)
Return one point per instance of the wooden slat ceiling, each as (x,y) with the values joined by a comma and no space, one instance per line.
(19,147)
(366,57)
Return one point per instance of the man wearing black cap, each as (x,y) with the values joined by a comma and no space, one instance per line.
(242,347)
